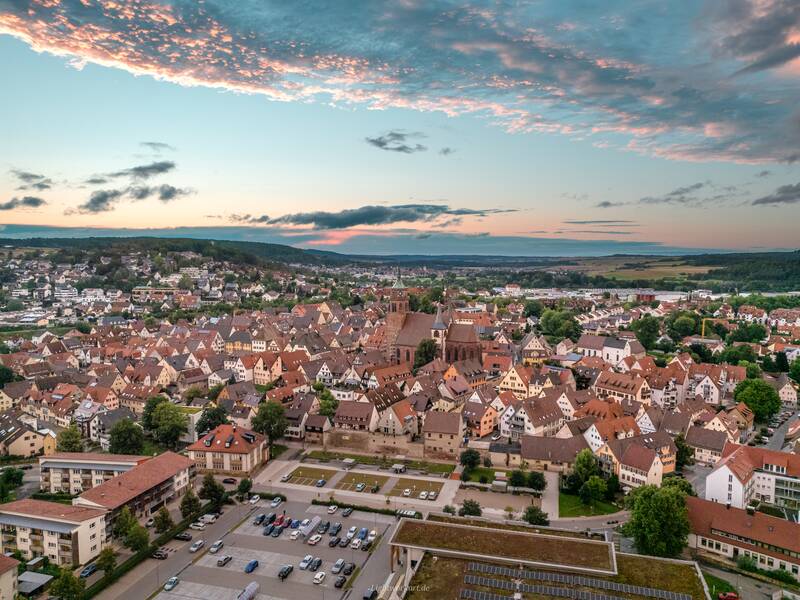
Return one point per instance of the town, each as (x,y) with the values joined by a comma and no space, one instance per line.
(185,424)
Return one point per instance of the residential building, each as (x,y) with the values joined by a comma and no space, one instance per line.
(76,472)
(229,449)
(443,433)
(9,568)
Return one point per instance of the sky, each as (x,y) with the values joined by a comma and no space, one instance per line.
(540,128)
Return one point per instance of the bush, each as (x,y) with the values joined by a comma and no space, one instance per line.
(483,479)
(470,508)
(380,511)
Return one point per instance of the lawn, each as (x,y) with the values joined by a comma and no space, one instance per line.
(309,475)
(152,448)
(571,506)
(349,481)
(657,573)
(487,472)
(278,449)
(511,545)
(524,527)
(416,486)
(440,578)
(717,585)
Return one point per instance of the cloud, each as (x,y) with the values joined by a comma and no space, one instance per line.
(604,222)
(381,215)
(591,74)
(397,141)
(157,146)
(32,181)
(24,202)
(681,195)
(106,200)
(146,171)
(608,204)
(248,218)
(599,231)
(447,151)
(786,194)
(96,181)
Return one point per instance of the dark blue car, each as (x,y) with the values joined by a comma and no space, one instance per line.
(88,570)
(251,566)
(268,530)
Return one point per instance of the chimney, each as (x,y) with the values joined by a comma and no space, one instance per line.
(728,506)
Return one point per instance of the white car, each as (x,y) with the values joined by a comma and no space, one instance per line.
(255,499)
(172,582)
(295,534)
(319,577)
(276,502)
(406,492)
(196,546)
(198,526)
(496,437)
(305,562)
(423,495)
(305,522)
(216,546)
(332,509)
(372,535)
(314,539)
(355,544)
(431,495)
(351,532)
(150,522)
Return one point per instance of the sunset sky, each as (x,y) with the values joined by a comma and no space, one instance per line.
(540,128)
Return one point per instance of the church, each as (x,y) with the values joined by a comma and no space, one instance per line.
(406,329)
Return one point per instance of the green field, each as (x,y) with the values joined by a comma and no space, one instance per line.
(572,506)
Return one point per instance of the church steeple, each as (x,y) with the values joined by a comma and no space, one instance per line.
(398,282)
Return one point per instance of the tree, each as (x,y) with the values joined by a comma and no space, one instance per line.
(536,481)
(427,349)
(6,375)
(752,370)
(190,504)
(212,490)
(517,478)
(13,477)
(736,354)
(781,362)
(680,483)
(244,487)
(149,408)
(169,424)
(585,467)
(163,520)
(124,522)
(69,440)
(137,539)
(211,418)
(681,324)
(127,437)
(647,330)
(534,308)
(612,487)
(685,454)
(185,282)
(759,396)
(560,324)
(794,370)
(592,490)
(213,393)
(535,516)
(67,587)
(270,420)
(327,403)
(470,459)
(107,560)
(659,523)
(747,332)
(470,508)
(84,327)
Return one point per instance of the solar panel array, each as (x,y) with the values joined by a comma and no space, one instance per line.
(476,595)
(548,590)
(602,584)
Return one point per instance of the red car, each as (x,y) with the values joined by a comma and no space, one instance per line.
(728,596)
(278,521)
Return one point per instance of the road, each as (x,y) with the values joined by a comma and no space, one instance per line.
(777,439)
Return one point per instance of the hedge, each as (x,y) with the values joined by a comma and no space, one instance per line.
(63,498)
(382,511)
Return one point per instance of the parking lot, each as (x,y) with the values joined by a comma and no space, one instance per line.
(351,482)
(415,487)
(204,579)
(309,475)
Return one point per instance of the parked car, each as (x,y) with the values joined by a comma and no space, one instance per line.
(305,522)
(160,554)
(277,532)
(728,596)
(278,520)
(268,530)
(496,437)
(314,539)
(198,526)
(352,532)
(349,568)
(207,518)
(431,495)
(319,577)
(335,529)
(337,566)
(196,546)
(347,512)
(406,492)
(320,483)
(276,502)
(150,522)
(270,518)
(88,570)
(184,536)
(315,564)
(362,533)
(423,495)
(323,527)
(229,480)
(216,546)
(285,571)
(332,509)
(366,545)
(251,566)
(224,560)
(286,478)
(171,584)
(305,562)
(370,594)
(372,535)
(334,542)
(259,519)
(344,542)
(360,487)
(340,581)
(355,544)
(295,523)
(295,534)
(255,499)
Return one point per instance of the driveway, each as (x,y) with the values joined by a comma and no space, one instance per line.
(696,475)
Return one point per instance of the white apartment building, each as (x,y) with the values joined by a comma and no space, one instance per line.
(76,472)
